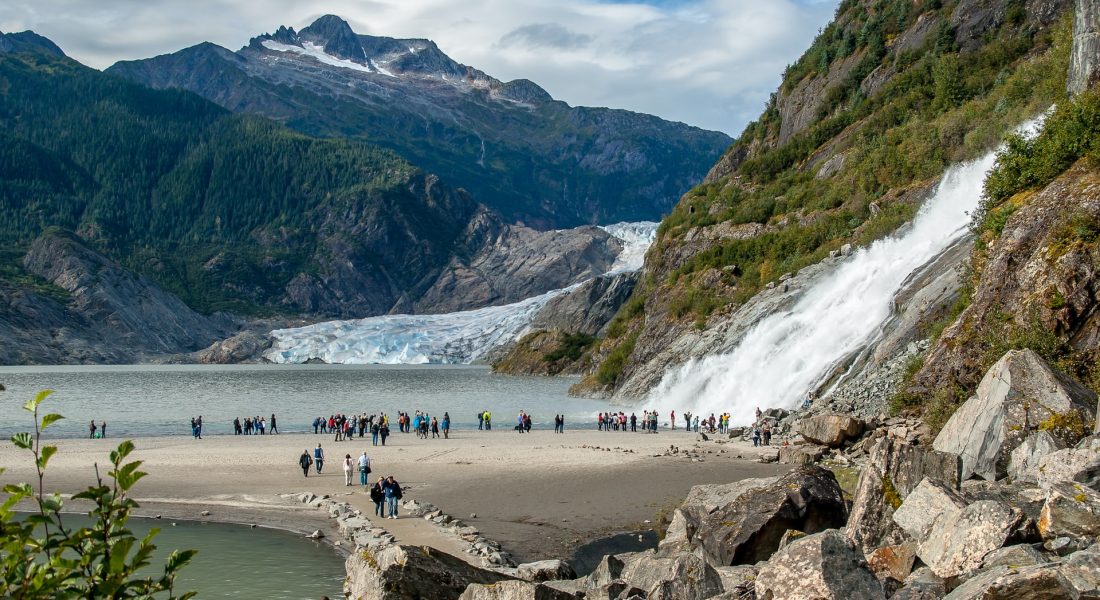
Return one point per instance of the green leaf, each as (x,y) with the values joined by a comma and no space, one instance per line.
(32,404)
(50,419)
(23,440)
(45,454)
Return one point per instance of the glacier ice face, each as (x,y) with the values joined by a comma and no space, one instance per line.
(452,338)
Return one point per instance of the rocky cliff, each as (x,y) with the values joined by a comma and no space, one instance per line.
(108,314)
(852,143)
(511,145)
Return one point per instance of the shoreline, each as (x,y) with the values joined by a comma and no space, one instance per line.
(541,495)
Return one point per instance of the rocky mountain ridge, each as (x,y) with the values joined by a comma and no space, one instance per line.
(525,155)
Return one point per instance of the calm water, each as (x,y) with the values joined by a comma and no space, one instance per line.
(234,561)
(160,400)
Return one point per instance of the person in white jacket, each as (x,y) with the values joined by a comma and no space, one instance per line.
(348,462)
(364,468)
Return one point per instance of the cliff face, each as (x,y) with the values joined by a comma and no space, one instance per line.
(110,315)
(849,147)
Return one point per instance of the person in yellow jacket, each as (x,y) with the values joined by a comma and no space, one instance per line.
(488,420)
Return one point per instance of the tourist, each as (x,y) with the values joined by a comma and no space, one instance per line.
(446,425)
(91,430)
(316,425)
(526,423)
(237,430)
(274,428)
(488,421)
(392,490)
(102,429)
(672,419)
(384,432)
(378,496)
(695,422)
(767,433)
(347,470)
(305,461)
(319,458)
(755,435)
(481,420)
(261,425)
(435,428)
(194,429)
(364,469)
(374,434)
(687,422)
(198,425)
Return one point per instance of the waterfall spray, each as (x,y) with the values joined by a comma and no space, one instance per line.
(789,353)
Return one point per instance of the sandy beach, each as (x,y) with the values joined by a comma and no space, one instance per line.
(540,494)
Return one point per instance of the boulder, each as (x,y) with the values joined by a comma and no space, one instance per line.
(738,581)
(893,562)
(1027,498)
(1081,465)
(925,505)
(514,590)
(1071,510)
(610,569)
(1040,582)
(957,545)
(823,566)
(743,523)
(921,584)
(399,572)
(894,469)
(1019,555)
(680,577)
(1023,462)
(1082,570)
(800,455)
(830,430)
(1019,395)
(545,570)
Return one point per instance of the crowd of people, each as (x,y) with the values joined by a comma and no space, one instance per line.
(97,433)
(255,426)
(385,492)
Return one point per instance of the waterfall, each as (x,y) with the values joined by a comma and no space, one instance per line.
(789,353)
(452,338)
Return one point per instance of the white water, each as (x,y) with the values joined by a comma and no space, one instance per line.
(789,353)
(453,338)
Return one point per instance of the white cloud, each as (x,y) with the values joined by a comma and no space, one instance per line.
(710,63)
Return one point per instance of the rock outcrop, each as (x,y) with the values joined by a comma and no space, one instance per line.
(399,572)
(823,566)
(1018,396)
(1084,68)
(830,430)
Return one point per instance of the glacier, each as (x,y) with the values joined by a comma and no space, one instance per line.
(451,338)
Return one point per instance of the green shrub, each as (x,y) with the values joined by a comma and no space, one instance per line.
(613,365)
(572,347)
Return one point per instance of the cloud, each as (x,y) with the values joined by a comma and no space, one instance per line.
(544,35)
(710,63)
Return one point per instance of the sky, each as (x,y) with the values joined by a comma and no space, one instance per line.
(709,63)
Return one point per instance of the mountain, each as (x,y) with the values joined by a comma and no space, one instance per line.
(28,41)
(771,264)
(509,144)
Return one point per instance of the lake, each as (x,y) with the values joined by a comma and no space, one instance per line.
(142,400)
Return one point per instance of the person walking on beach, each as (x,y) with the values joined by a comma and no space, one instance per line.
(378,496)
(364,469)
(319,458)
(305,461)
(103,430)
(91,430)
(274,428)
(374,433)
(435,428)
(672,419)
(194,429)
(347,470)
(446,425)
(481,420)
(392,490)
(384,432)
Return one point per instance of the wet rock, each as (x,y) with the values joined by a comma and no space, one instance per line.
(400,572)
(1039,582)
(894,469)
(1071,510)
(514,590)
(545,570)
(921,584)
(1019,395)
(830,430)
(1023,463)
(956,546)
(743,523)
(821,566)
(316,535)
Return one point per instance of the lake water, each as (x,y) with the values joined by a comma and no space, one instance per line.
(235,561)
(161,399)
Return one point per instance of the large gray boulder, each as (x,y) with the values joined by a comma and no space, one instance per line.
(1019,395)
(1018,555)
(830,430)
(921,584)
(679,577)
(893,470)
(1081,465)
(927,503)
(1071,510)
(400,572)
(1023,463)
(1082,570)
(1040,582)
(744,522)
(957,545)
(545,570)
(514,590)
(823,566)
